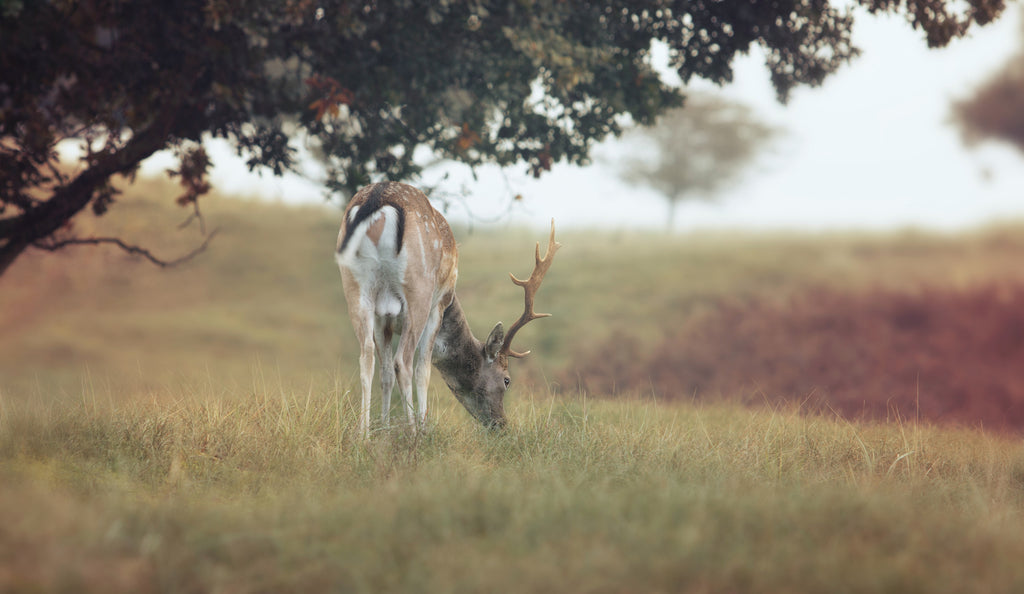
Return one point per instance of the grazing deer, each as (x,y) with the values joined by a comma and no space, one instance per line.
(399,264)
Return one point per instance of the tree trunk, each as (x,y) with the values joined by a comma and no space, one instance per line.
(670,221)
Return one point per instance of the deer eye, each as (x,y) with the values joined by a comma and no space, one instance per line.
(507,382)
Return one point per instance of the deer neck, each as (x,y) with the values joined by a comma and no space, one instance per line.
(457,354)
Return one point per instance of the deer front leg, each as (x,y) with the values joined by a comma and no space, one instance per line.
(424,350)
(405,365)
(404,371)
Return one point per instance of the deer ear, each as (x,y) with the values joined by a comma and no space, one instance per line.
(494,340)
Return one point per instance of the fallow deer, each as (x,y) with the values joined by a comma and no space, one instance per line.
(399,264)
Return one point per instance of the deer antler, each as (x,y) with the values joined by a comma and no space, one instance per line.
(530,287)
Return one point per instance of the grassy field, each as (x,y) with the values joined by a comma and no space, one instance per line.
(271,493)
(192,429)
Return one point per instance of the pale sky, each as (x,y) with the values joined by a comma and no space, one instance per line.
(871,149)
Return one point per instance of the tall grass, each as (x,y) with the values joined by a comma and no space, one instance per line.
(274,492)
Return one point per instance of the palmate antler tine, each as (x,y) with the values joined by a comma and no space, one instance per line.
(530,287)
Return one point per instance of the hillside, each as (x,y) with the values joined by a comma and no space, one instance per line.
(684,423)
(925,325)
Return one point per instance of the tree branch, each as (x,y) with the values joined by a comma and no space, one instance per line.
(39,222)
(196,215)
(131,249)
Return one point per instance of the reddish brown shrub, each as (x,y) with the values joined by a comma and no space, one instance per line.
(940,354)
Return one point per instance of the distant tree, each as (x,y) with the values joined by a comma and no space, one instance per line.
(368,83)
(699,149)
(995,110)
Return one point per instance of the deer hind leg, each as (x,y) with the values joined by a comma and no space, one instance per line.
(364,332)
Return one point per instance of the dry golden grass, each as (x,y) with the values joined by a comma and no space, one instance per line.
(273,493)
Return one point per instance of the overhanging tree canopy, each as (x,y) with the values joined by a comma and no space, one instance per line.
(531,81)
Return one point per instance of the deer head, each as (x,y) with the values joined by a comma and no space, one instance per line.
(477,373)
